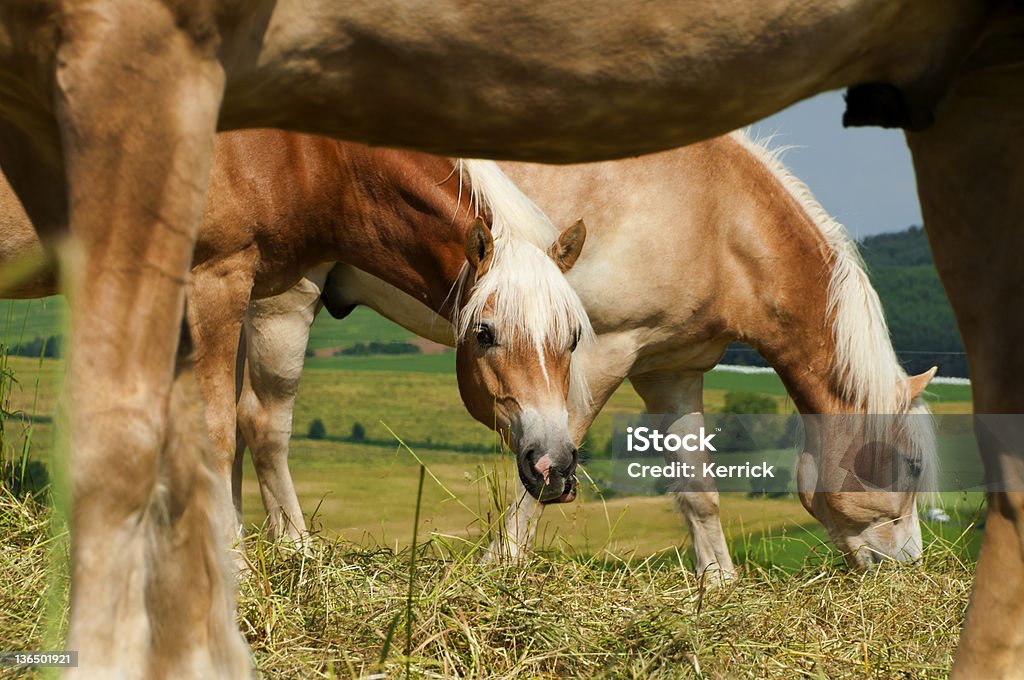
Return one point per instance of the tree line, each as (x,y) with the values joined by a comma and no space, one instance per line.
(49,347)
(899,264)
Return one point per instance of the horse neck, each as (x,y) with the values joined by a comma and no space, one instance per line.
(789,321)
(805,360)
(406,219)
(802,348)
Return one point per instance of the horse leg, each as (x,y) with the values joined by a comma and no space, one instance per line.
(969,178)
(151,590)
(519,527)
(679,399)
(218,297)
(238,464)
(276,335)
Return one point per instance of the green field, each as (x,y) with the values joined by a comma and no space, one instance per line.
(610,591)
(413,363)
(26,319)
(360,490)
(22,320)
(769,383)
(363,491)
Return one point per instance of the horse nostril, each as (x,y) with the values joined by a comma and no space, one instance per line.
(568,486)
(575,455)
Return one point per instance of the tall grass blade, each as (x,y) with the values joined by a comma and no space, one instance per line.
(412,573)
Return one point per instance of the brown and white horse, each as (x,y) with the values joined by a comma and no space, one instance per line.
(280,203)
(741,252)
(107,116)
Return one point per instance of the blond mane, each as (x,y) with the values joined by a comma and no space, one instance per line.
(865,367)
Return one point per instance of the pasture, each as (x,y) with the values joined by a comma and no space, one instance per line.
(341,612)
(611,592)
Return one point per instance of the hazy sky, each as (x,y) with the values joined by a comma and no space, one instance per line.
(863,176)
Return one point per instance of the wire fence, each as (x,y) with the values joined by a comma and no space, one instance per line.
(756,370)
(952,365)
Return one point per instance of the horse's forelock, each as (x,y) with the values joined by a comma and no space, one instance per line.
(523,291)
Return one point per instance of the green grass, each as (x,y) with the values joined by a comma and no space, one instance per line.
(45,317)
(610,591)
(358,486)
(409,363)
(359,493)
(26,319)
(769,383)
(362,325)
(716,381)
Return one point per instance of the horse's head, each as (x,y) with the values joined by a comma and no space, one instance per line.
(860,475)
(517,327)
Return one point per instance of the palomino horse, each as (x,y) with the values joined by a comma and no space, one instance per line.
(738,249)
(775,272)
(107,119)
(280,203)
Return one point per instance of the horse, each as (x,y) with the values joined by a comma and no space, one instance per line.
(280,203)
(457,234)
(776,273)
(107,122)
(743,253)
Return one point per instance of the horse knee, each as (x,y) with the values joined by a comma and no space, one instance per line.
(115,459)
(699,505)
(264,437)
(250,417)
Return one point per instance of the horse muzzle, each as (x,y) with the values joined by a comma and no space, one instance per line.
(549,479)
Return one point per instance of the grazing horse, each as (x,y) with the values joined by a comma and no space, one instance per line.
(108,110)
(744,252)
(738,249)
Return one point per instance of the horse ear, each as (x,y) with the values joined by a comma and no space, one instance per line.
(479,247)
(917,383)
(567,248)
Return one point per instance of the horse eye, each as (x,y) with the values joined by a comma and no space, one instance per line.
(575,340)
(485,336)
